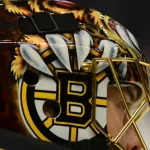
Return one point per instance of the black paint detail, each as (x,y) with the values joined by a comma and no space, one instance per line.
(64,77)
(30,77)
(50,58)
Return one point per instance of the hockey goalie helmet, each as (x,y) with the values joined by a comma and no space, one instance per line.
(66,86)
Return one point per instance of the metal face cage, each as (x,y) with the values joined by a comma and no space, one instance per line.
(142,69)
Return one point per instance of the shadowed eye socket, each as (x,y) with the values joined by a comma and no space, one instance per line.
(132,93)
(120,106)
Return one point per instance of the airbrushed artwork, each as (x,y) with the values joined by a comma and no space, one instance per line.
(69,86)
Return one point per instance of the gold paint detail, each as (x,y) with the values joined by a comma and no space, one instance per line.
(100,76)
(75,64)
(36,40)
(51,68)
(78,14)
(73,134)
(71,47)
(18,64)
(86,67)
(73,124)
(11,7)
(34,5)
(45,95)
(95,53)
(48,122)
(46,53)
(99,102)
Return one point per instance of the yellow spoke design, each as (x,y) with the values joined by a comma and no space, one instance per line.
(99,102)
(48,122)
(73,134)
(100,76)
(44,95)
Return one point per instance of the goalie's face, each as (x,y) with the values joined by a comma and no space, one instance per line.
(127,91)
(117,116)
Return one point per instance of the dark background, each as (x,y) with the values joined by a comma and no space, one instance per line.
(133,14)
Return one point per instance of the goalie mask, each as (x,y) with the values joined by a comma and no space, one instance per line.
(80,76)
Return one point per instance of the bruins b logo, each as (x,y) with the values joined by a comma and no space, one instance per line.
(74,93)
(71,92)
